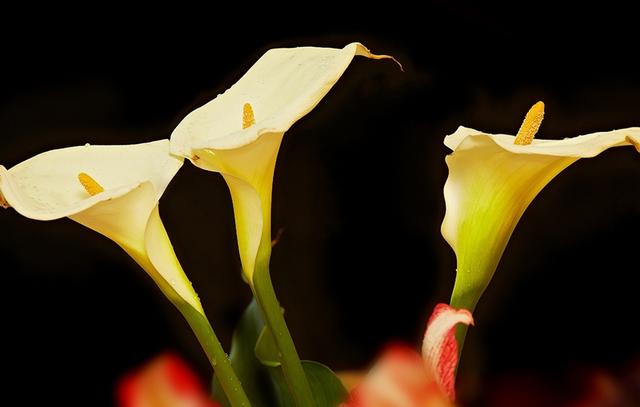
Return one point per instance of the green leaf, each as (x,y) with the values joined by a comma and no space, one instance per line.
(253,375)
(266,349)
(327,389)
(254,357)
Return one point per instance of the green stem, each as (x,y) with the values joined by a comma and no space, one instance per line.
(461,334)
(288,356)
(216,355)
(459,301)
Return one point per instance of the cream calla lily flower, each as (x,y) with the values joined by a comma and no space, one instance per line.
(113,190)
(492,179)
(239,133)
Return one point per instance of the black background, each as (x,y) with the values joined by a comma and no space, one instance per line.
(358,189)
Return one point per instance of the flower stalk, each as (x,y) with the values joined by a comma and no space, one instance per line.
(273,315)
(217,356)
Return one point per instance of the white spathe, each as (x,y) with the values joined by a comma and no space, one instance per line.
(282,86)
(239,133)
(491,182)
(134,177)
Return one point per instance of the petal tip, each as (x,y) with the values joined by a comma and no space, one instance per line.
(363,51)
(460,315)
(635,141)
(453,140)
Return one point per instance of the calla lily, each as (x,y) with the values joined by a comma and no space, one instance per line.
(404,378)
(115,190)
(492,180)
(239,133)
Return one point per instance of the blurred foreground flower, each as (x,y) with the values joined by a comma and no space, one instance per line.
(166,381)
(492,179)
(404,378)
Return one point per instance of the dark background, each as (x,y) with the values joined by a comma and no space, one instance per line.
(358,191)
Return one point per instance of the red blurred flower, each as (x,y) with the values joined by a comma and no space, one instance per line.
(166,381)
(404,378)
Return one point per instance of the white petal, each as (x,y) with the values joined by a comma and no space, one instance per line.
(588,145)
(282,86)
(46,186)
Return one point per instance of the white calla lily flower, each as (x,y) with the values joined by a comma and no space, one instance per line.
(113,190)
(492,180)
(239,133)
